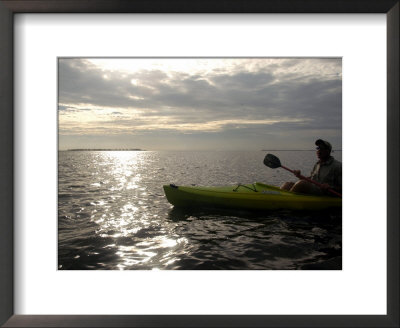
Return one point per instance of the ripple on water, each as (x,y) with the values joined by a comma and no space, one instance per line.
(113,215)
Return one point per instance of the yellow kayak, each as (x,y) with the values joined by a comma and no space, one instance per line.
(256,196)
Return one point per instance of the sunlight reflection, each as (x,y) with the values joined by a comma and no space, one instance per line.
(125,217)
(121,167)
(130,256)
(149,252)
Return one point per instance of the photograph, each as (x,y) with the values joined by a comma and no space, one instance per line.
(199,163)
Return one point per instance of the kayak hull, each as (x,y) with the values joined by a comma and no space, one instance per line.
(257,196)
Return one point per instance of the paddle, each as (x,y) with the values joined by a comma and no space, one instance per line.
(273,162)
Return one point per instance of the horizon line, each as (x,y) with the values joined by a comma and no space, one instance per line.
(139,149)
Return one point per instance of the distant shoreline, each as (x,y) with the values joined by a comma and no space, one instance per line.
(333,150)
(105,149)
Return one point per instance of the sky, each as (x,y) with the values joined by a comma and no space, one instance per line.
(199,103)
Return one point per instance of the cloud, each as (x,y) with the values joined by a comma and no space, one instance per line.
(281,95)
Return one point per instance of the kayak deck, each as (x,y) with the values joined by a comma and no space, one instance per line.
(257,196)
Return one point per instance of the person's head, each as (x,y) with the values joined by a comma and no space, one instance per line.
(324,149)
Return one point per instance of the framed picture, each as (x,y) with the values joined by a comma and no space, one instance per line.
(36,292)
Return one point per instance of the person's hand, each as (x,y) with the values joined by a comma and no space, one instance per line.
(297,173)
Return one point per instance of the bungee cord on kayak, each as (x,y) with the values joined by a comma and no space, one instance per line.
(253,187)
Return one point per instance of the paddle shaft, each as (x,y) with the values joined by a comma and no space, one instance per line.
(312,181)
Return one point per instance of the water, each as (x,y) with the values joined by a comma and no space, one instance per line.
(113,214)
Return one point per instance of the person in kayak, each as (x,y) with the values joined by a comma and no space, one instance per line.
(327,171)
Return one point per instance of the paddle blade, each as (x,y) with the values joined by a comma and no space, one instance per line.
(272,161)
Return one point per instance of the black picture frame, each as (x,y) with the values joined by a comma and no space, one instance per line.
(10,7)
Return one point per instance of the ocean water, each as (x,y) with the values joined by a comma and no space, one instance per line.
(113,215)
